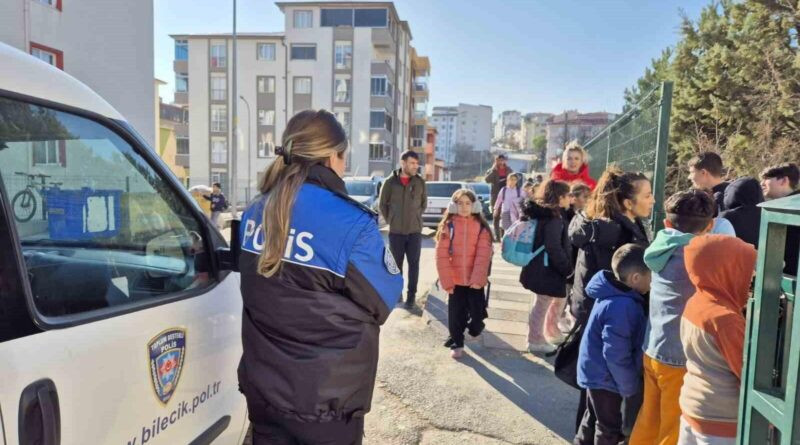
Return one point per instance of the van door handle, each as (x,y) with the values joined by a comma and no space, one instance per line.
(39,414)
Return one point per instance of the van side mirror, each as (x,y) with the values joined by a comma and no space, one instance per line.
(228,257)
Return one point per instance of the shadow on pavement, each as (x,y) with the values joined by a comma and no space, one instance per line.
(529,385)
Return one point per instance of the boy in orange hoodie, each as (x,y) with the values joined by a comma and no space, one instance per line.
(463,254)
(712,332)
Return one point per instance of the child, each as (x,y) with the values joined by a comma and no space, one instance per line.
(218,203)
(509,202)
(610,357)
(689,214)
(712,332)
(546,274)
(463,253)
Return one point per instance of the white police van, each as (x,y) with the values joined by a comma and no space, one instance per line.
(120,314)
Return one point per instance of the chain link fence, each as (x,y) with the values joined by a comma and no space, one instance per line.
(638,141)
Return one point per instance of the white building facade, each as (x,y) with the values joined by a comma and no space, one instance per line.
(353,59)
(91,40)
(465,125)
(506,121)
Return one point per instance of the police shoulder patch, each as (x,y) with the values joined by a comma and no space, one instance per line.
(388,261)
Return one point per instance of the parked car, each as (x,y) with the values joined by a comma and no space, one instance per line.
(484,192)
(439,194)
(121,311)
(364,189)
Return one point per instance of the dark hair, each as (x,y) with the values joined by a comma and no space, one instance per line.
(627,260)
(216,184)
(579,188)
(708,161)
(550,192)
(690,211)
(613,188)
(409,154)
(502,156)
(786,170)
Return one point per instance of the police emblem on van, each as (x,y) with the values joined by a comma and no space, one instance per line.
(167,352)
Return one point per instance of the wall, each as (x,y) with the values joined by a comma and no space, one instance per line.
(199,113)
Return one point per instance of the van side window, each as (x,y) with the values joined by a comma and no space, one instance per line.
(15,321)
(99,227)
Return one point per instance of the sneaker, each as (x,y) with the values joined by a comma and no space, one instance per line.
(540,348)
(557,340)
(408,305)
(450,342)
(457,353)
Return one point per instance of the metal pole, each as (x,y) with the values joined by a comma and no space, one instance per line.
(235,119)
(662,145)
(249,150)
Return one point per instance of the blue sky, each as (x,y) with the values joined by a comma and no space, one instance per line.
(529,55)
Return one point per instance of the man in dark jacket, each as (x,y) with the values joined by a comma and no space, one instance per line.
(218,202)
(707,172)
(777,182)
(742,198)
(403,199)
(496,176)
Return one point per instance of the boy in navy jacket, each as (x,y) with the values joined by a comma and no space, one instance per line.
(610,357)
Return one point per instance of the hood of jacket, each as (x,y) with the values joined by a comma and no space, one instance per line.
(561,174)
(721,268)
(604,233)
(657,255)
(534,210)
(396,175)
(604,285)
(743,192)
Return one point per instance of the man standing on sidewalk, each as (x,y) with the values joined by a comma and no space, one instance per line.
(496,176)
(403,199)
(218,202)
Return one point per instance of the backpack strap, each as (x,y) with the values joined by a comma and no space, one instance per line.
(451,228)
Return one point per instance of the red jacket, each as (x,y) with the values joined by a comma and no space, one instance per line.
(472,252)
(560,174)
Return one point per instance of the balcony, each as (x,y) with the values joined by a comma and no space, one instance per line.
(382,68)
(382,38)
(420,89)
(182,160)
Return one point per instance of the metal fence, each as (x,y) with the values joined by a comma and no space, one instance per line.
(638,141)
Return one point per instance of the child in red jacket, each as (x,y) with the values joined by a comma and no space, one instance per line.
(463,254)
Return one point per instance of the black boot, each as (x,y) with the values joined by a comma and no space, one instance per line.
(410,301)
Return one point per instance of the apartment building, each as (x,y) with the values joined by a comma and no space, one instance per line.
(572,125)
(173,148)
(420,72)
(533,125)
(464,125)
(507,121)
(91,40)
(354,59)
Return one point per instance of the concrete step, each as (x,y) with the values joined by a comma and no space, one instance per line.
(506,327)
(507,314)
(516,306)
(505,341)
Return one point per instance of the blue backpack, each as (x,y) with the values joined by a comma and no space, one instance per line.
(517,244)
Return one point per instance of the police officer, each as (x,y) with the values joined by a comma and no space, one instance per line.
(317,283)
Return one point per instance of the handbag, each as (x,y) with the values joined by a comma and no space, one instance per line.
(565,366)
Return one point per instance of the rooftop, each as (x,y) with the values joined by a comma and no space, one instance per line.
(225,35)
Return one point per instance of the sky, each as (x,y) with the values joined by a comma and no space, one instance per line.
(526,55)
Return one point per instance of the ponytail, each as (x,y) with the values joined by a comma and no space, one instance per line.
(613,188)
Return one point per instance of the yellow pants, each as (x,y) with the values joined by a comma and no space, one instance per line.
(659,419)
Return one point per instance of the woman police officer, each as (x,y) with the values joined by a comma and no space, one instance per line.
(317,283)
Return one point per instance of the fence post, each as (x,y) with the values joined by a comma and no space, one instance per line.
(662,145)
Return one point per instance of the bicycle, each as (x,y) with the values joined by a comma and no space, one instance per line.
(24,204)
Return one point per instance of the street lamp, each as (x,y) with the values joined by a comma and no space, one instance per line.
(249,154)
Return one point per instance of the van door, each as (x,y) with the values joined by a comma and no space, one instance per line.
(125,330)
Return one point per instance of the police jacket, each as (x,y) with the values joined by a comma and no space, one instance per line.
(310,332)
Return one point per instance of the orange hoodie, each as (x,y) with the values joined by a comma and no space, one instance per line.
(712,331)
(472,251)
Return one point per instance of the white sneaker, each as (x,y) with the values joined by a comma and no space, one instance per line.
(540,348)
(457,353)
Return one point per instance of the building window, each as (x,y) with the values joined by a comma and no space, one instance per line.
(44,55)
(380,120)
(181,50)
(380,86)
(219,118)
(341,90)
(336,17)
(182,145)
(219,151)
(371,18)
(344,54)
(266,51)
(344,119)
(304,52)
(181,82)
(218,55)
(266,85)
(266,117)
(266,144)
(219,86)
(46,153)
(303,19)
(378,152)
(302,85)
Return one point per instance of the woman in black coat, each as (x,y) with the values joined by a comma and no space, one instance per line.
(614,216)
(546,274)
